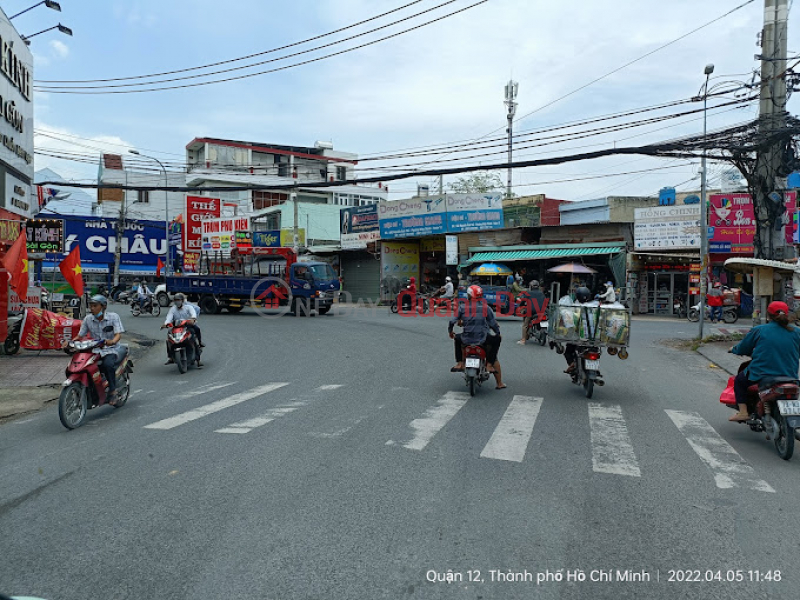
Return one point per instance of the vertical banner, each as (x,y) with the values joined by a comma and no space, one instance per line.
(198,208)
(451,249)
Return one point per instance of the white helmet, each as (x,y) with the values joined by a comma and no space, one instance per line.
(448,279)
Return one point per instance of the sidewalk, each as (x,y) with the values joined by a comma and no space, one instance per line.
(717,353)
(31,379)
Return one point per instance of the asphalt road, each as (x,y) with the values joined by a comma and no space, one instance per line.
(337,457)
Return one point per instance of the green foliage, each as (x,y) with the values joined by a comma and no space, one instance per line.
(479,182)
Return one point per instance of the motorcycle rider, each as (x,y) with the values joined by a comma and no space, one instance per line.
(775,351)
(477,318)
(537,300)
(410,295)
(182,311)
(144,294)
(583,297)
(609,296)
(446,291)
(714,300)
(106,326)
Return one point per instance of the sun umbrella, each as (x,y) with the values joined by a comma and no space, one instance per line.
(571,268)
(491,270)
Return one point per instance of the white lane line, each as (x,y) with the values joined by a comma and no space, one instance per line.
(728,467)
(612,451)
(137,391)
(202,390)
(512,434)
(217,406)
(434,419)
(334,386)
(267,417)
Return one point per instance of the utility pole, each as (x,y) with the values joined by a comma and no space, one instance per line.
(770,242)
(120,233)
(704,209)
(293,196)
(512,87)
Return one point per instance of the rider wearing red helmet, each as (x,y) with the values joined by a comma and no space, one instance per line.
(477,318)
(775,351)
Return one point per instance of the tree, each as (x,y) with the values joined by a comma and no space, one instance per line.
(479,182)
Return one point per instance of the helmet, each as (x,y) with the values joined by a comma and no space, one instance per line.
(448,279)
(610,283)
(475,292)
(179,296)
(98,299)
(775,307)
(582,294)
(413,279)
(534,283)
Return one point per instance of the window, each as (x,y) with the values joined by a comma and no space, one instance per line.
(262,199)
(341,173)
(283,169)
(144,197)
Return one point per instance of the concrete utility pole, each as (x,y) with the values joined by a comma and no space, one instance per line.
(293,196)
(704,211)
(512,87)
(120,233)
(772,117)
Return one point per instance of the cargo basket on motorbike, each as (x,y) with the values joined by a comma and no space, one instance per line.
(597,325)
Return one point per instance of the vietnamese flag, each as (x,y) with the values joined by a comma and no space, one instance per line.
(159,266)
(16,263)
(70,268)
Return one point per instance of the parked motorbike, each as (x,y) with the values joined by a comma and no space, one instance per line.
(679,307)
(730,314)
(184,350)
(85,387)
(475,372)
(774,408)
(151,307)
(11,345)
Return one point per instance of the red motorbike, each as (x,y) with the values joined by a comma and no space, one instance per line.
(85,387)
(184,349)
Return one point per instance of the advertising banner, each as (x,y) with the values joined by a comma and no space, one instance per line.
(219,235)
(45,235)
(359,226)
(44,330)
(198,208)
(400,259)
(732,217)
(32,300)
(278,238)
(142,242)
(191,262)
(667,227)
(474,212)
(412,218)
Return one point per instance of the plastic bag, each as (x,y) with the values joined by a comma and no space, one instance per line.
(727,396)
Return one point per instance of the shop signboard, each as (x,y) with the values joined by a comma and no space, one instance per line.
(359,226)
(33,300)
(277,238)
(45,235)
(732,224)
(400,260)
(411,218)
(219,235)
(667,228)
(451,249)
(191,262)
(474,212)
(198,208)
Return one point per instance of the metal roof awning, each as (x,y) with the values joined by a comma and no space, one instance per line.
(747,265)
(544,253)
(667,255)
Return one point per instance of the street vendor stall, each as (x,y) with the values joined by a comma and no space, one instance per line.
(772,280)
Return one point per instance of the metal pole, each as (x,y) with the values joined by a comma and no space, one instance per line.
(704,213)
(510,125)
(296,230)
(120,233)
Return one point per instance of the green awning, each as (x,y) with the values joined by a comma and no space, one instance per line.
(509,255)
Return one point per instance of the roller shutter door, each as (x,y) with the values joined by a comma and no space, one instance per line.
(362,275)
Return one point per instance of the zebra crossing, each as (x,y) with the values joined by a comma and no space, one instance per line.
(612,451)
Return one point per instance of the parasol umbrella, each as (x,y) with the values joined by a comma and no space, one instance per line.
(491,270)
(572,268)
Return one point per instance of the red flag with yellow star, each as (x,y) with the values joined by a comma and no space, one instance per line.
(16,263)
(70,268)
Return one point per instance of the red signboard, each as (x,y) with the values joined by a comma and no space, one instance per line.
(198,208)
(732,224)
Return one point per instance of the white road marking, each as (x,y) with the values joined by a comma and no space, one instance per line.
(612,451)
(137,391)
(334,386)
(728,467)
(434,420)
(267,417)
(203,389)
(217,406)
(511,436)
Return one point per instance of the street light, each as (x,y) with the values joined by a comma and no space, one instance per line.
(62,28)
(704,209)
(47,3)
(166,206)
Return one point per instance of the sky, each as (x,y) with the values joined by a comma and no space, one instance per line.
(437,85)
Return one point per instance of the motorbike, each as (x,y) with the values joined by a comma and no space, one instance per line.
(475,372)
(538,332)
(11,345)
(85,387)
(587,365)
(774,408)
(730,314)
(422,302)
(151,307)
(679,307)
(184,350)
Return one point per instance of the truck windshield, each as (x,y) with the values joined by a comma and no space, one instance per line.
(322,272)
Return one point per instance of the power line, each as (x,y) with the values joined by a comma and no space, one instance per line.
(238,77)
(224,62)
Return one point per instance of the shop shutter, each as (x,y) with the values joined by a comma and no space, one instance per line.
(362,275)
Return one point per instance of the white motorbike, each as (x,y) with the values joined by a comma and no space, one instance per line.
(730,314)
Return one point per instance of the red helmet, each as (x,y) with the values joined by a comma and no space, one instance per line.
(775,307)
(475,292)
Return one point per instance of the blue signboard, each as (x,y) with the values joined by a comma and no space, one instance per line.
(142,241)
(267,239)
(412,218)
(719,247)
(474,212)
(666,196)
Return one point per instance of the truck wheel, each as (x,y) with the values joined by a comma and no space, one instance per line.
(209,305)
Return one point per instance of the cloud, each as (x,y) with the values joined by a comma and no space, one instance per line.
(60,49)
